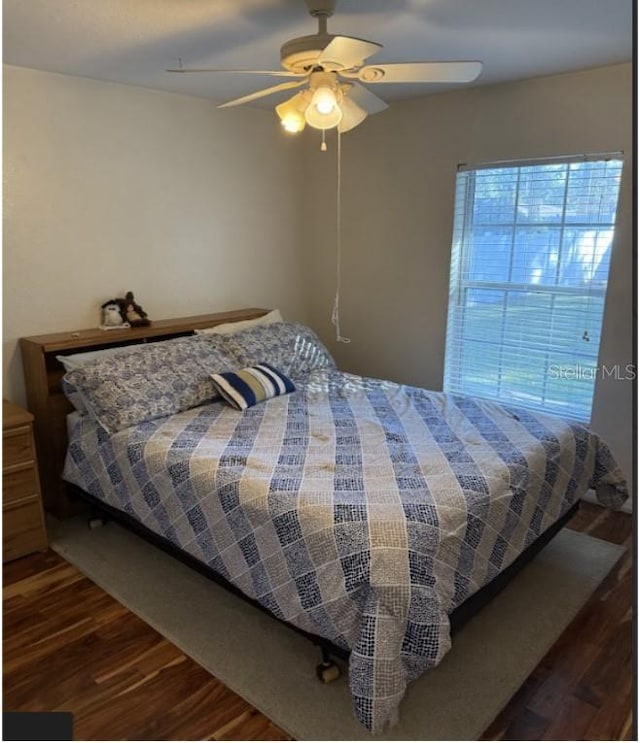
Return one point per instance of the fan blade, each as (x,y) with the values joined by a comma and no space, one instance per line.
(262,93)
(274,73)
(346,52)
(366,99)
(421,72)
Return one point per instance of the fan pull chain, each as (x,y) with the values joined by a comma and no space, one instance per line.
(323,146)
(335,315)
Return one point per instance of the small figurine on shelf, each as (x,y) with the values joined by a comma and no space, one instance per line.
(112,316)
(133,313)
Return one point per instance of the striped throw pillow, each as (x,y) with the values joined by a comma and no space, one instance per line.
(247,387)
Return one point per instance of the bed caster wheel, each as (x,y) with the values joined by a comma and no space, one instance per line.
(96,522)
(328,672)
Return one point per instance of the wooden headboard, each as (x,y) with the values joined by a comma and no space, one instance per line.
(47,402)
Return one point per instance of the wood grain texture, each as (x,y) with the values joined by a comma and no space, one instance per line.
(69,646)
(581,690)
(91,337)
(23,520)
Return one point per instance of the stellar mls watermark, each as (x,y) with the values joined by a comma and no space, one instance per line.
(618,372)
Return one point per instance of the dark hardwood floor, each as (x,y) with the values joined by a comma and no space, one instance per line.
(70,646)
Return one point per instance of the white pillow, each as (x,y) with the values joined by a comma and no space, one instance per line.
(76,360)
(234,327)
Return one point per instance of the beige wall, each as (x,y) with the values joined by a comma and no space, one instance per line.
(399,171)
(111,187)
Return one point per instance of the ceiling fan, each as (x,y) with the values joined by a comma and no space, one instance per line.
(332,69)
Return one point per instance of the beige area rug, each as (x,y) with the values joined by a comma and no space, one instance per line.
(273,668)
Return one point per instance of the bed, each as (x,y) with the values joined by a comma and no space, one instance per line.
(360,511)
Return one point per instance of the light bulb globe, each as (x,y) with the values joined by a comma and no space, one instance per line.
(291,114)
(293,123)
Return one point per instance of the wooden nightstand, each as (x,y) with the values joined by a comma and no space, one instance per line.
(23,521)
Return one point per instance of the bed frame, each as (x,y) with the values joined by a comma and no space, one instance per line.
(457,619)
(50,407)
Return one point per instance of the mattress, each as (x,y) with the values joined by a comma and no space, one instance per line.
(357,509)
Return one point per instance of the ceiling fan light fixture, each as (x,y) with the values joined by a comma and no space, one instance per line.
(322,121)
(323,112)
(293,123)
(291,113)
(352,115)
(324,100)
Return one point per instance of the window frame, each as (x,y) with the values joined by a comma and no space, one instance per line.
(461,283)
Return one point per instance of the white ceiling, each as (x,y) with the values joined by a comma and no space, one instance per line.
(133,41)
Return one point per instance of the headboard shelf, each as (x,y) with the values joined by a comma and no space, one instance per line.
(45,399)
(92,337)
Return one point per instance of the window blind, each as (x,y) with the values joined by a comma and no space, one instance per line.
(530,261)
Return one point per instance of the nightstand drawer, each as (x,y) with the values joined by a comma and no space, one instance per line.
(17,445)
(23,529)
(18,482)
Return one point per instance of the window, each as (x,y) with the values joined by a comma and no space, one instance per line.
(530,260)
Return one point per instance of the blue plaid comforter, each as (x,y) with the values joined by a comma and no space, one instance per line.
(357,509)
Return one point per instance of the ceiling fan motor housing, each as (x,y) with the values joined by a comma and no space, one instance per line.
(300,55)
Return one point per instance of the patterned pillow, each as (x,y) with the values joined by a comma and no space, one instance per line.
(293,348)
(74,360)
(245,388)
(152,380)
(75,397)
